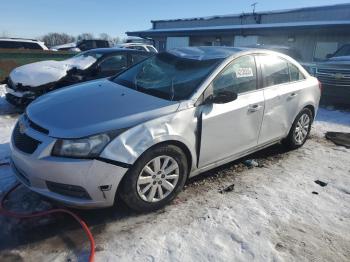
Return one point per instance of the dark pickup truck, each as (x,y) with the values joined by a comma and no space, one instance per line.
(334,74)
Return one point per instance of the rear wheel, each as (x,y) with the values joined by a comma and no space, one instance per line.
(155,179)
(300,130)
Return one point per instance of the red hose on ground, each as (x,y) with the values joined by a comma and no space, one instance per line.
(86,229)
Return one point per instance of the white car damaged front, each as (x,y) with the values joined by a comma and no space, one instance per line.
(26,82)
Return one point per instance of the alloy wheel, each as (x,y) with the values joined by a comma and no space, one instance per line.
(302,129)
(158,178)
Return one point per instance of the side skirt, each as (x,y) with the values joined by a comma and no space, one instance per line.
(232,158)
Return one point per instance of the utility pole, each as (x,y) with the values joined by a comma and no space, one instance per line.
(254,6)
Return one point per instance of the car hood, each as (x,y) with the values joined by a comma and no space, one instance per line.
(340,62)
(340,58)
(44,72)
(95,107)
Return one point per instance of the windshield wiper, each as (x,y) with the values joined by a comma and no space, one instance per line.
(172,95)
(135,84)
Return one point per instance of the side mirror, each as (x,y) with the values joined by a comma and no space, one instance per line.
(329,56)
(222,97)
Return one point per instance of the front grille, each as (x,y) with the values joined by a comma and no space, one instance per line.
(10,84)
(34,125)
(68,190)
(37,127)
(334,77)
(24,142)
(18,87)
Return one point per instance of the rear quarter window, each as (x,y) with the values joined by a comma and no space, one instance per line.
(295,74)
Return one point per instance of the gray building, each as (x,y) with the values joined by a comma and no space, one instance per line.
(314,31)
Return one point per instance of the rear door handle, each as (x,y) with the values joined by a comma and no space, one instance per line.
(254,108)
(293,95)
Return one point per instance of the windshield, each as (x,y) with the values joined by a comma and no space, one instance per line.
(343,51)
(167,76)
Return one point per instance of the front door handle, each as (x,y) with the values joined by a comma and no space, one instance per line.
(254,108)
(293,95)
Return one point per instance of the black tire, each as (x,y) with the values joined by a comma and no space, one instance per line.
(128,190)
(290,141)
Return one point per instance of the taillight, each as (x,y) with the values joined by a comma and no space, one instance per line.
(320,85)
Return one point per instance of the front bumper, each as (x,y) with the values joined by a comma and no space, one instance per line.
(17,98)
(35,170)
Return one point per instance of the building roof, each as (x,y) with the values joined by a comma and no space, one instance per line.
(304,25)
(300,18)
(283,11)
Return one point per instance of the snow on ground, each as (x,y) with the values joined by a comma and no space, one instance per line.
(7,120)
(274,213)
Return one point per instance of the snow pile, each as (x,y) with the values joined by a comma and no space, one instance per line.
(8,118)
(5,107)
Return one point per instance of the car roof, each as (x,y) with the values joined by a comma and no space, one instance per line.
(115,49)
(261,46)
(136,44)
(21,40)
(206,52)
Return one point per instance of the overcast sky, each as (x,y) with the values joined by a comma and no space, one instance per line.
(29,18)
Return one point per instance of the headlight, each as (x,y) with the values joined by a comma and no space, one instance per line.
(313,71)
(89,147)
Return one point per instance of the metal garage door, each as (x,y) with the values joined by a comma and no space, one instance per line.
(173,42)
(245,40)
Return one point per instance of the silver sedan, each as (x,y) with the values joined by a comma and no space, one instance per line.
(143,133)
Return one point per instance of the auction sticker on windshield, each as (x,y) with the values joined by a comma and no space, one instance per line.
(244,72)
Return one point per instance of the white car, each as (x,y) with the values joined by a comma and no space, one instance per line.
(139,46)
(144,132)
(20,43)
(27,82)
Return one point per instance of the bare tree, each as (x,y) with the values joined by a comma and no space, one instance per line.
(52,39)
(85,36)
(105,36)
(117,40)
(113,40)
(5,34)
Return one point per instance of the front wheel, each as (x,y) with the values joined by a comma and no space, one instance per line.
(155,179)
(300,129)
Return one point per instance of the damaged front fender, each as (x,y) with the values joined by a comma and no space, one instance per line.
(180,127)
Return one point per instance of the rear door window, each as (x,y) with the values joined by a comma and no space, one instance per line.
(87,45)
(102,44)
(275,70)
(28,45)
